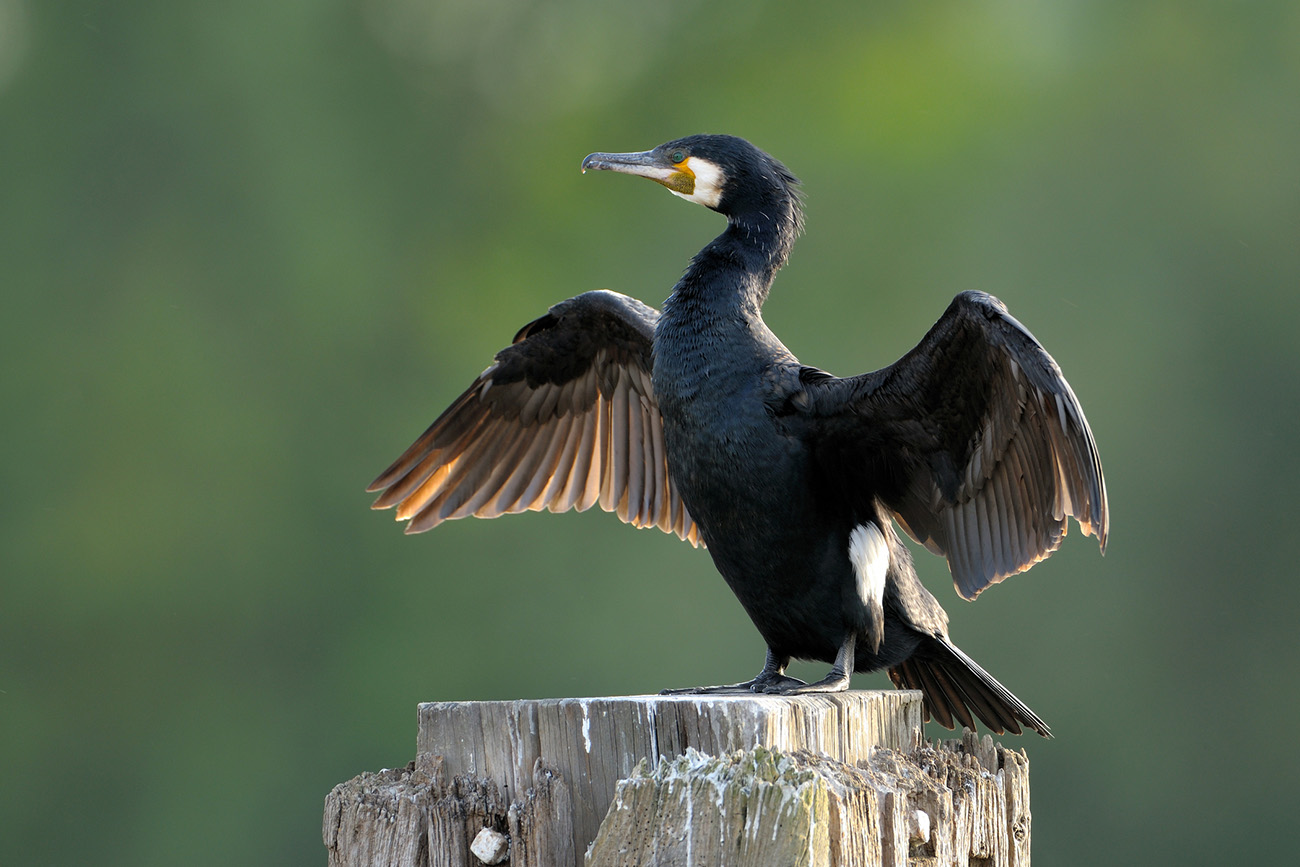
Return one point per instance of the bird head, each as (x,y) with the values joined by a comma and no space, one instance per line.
(722,172)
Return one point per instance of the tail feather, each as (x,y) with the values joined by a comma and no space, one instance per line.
(949,705)
(955,686)
(908,675)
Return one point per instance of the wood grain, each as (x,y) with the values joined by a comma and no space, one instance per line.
(840,779)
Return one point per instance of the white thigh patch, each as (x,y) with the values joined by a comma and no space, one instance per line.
(869,553)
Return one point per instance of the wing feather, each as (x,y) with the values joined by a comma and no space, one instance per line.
(974,440)
(592,459)
(563,474)
(565,418)
(521,475)
(634,490)
(616,475)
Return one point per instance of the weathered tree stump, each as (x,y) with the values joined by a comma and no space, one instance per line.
(838,779)
(962,802)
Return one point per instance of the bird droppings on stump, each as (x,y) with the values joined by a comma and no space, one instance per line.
(764,807)
(595,742)
(729,782)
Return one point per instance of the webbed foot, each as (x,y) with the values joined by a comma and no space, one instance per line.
(771,680)
(836,681)
(733,688)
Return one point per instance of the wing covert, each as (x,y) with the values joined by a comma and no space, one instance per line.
(564,418)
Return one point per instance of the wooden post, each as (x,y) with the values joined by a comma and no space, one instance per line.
(839,779)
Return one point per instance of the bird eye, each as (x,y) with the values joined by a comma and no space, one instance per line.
(678,156)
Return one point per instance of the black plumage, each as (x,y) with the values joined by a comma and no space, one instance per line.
(699,421)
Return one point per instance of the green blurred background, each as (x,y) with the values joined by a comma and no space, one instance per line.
(248,251)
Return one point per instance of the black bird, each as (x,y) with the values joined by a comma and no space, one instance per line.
(698,421)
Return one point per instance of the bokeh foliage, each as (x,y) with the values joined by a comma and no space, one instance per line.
(248,250)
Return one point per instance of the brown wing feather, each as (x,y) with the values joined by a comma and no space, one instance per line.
(565,418)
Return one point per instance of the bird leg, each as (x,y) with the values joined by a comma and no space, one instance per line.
(772,679)
(836,681)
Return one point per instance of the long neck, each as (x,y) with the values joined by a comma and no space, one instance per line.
(735,271)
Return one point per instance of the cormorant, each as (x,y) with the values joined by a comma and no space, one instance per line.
(698,421)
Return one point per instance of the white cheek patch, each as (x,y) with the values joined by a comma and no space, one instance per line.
(869,554)
(709,180)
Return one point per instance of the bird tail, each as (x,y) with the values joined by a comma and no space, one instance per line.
(955,687)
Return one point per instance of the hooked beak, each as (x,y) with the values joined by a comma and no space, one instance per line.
(677,177)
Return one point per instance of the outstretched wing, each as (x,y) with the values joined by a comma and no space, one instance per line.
(973,439)
(564,418)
